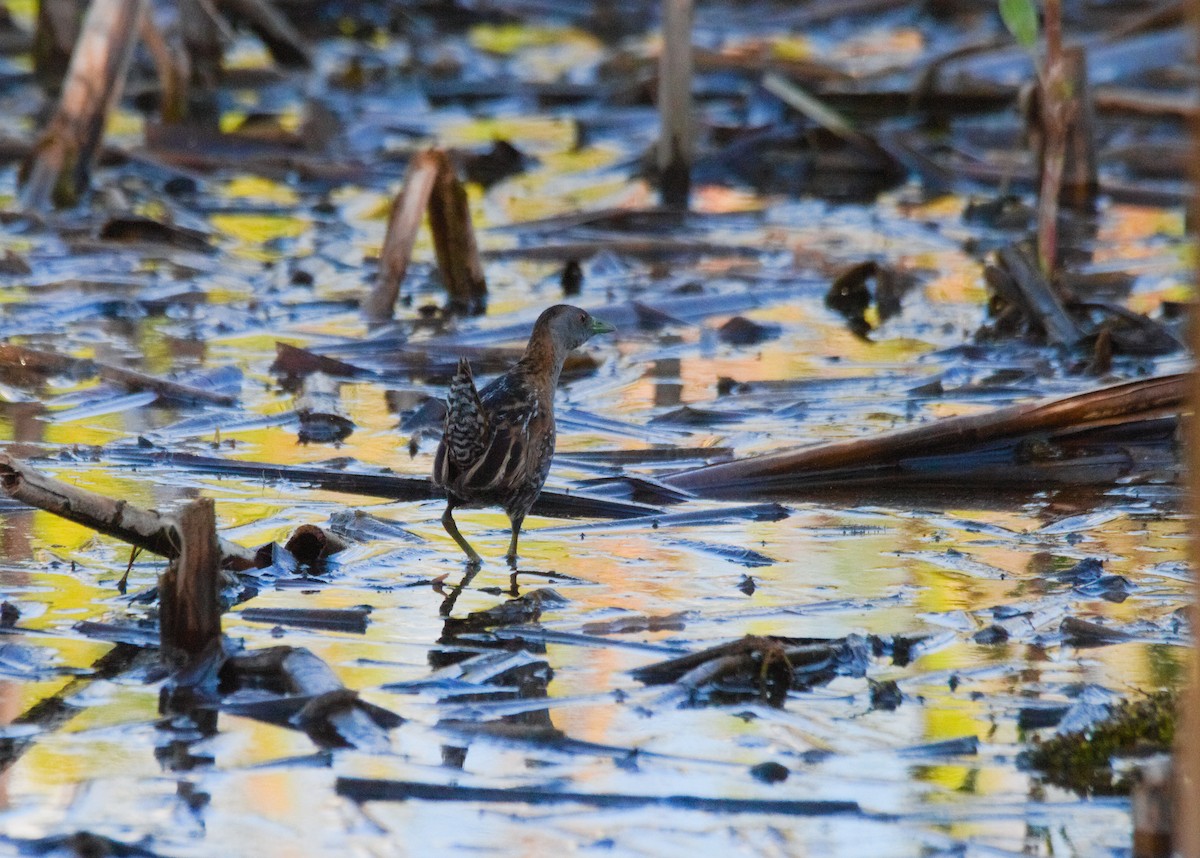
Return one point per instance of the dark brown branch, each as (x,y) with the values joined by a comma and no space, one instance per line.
(147,529)
(828,464)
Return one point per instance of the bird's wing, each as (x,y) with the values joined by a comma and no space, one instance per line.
(516,419)
(464,436)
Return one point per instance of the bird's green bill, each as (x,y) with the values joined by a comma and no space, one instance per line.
(599,326)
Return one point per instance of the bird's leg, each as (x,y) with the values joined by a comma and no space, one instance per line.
(451,528)
(517,520)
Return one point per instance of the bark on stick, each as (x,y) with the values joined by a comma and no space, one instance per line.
(144,528)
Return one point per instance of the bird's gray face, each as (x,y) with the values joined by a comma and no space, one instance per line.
(573,327)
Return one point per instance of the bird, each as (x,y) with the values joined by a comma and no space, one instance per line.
(497,443)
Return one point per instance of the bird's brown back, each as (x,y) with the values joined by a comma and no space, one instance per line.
(509,461)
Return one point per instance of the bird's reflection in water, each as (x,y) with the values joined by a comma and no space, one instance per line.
(493,669)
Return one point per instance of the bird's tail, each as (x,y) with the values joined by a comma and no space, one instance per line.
(466,428)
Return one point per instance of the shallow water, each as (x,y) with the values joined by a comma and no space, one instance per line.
(933,565)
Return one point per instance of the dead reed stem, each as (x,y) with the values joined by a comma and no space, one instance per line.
(676,147)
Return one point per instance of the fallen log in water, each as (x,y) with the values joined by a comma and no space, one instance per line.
(1085,439)
(145,528)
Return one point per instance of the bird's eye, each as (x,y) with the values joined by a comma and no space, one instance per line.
(583,317)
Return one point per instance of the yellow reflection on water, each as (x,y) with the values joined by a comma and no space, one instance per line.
(261,189)
(251,231)
(537,135)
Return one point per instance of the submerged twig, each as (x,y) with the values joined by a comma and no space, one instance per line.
(364,789)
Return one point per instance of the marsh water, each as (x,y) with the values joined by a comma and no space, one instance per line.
(288,257)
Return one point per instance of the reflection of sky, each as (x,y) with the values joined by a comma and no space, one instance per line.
(883,570)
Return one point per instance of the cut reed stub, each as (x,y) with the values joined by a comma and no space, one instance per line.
(676,148)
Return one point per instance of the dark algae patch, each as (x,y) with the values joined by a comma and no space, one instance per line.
(1084,760)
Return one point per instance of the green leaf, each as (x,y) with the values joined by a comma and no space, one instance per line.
(1020,16)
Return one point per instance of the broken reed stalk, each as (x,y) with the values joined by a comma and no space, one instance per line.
(676,145)
(454,241)
(1080,180)
(1034,291)
(61,163)
(201,34)
(172,69)
(55,33)
(144,528)
(408,209)
(1056,115)
(190,613)
(1148,397)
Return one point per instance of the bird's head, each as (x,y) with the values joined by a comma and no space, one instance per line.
(570,326)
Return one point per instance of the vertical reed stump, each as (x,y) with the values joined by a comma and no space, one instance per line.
(189,613)
(1080,183)
(454,242)
(676,146)
(408,209)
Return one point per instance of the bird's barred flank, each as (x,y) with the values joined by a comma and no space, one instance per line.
(498,443)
